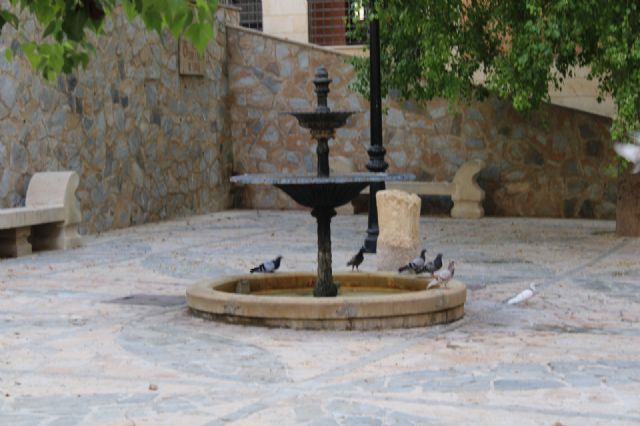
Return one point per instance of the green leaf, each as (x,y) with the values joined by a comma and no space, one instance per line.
(199,35)
(8,17)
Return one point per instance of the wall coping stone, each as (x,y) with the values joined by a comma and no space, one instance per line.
(286,40)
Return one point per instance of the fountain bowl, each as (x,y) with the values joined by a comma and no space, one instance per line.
(321,191)
(321,120)
(366,301)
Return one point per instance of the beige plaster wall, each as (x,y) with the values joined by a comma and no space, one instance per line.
(286,19)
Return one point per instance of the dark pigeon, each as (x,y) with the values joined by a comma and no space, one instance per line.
(357,259)
(268,266)
(415,265)
(431,267)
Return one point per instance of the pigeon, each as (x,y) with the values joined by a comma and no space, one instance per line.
(630,152)
(443,276)
(357,259)
(523,295)
(415,264)
(268,266)
(432,266)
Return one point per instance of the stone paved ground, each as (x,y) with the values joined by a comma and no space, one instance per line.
(87,335)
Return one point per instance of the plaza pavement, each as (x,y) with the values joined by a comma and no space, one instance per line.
(101,335)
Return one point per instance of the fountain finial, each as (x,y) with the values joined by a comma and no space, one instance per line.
(321,81)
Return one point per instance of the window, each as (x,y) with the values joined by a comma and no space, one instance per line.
(336,23)
(250,13)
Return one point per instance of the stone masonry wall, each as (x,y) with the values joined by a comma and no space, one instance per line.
(147,143)
(550,164)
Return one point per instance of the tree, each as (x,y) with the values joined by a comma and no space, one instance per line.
(439,48)
(64,42)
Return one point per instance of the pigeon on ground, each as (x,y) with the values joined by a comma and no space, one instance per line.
(415,264)
(432,266)
(268,266)
(630,152)
(523,295)
(442,276)
(357,259)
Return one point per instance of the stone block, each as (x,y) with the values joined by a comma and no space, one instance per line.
(399,224)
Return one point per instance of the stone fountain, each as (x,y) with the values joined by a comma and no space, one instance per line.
(405,303)
(322,193)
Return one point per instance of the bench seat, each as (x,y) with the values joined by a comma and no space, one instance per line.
(466,194)
(19,217)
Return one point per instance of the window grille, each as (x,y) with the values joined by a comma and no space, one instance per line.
(336,22)
(250,13)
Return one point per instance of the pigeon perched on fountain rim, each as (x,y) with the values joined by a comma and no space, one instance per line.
(357,259)
(443,276)
(432,266)
(415,264)
(268,266)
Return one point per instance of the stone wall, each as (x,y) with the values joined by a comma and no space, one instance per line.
(147,143)
(550,164)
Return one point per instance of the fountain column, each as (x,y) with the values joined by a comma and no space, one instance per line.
(325,287)
(322,136)
(322,150)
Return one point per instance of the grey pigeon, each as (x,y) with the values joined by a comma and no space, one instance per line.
(630,152)
(442,276)
(432,266)
(357,259)
(415,265)
(268,266)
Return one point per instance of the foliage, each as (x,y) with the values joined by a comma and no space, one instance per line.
(63,43)
(440,48)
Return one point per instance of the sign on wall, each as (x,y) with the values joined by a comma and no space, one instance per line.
(191,62)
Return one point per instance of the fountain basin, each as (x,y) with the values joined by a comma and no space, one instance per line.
(321,120)
(321,191)
(365,301)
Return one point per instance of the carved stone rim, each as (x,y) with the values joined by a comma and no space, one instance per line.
(216,299)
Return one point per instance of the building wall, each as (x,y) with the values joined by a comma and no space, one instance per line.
(286,19)
(551,164)
(147,143)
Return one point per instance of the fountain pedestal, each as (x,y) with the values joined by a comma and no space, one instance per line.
(325,287)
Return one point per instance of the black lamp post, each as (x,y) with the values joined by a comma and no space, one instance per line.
(376,150)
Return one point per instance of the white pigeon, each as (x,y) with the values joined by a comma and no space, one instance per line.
(442,276)
(523,295)
(630,152)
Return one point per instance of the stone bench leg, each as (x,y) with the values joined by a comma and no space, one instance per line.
(15,242)
(55,236)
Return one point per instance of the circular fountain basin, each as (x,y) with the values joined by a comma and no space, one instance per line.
(321,191)
(365,301)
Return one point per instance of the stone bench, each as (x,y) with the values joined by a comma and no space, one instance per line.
(49,219)
(466,194)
